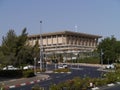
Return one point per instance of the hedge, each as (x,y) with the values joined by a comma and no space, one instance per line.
(16,73)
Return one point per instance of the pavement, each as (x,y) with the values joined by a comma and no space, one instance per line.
(17,82)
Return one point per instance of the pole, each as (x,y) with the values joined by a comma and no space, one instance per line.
(101,57)
(41,45)
(35,66)
(78,60)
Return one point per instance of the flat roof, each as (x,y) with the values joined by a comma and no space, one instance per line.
(66,33)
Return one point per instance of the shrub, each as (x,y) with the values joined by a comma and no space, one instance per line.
(2,86)
(38,70)
(37,87)
(11,73)
(62,70)
(117,66)
(100,81)
(54,87)
(91,60)
(28,73)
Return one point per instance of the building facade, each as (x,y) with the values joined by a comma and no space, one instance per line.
(65,42)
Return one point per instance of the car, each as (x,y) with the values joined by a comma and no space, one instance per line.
(65,66)
(28,67)
(10,67)
(110,66)
(62,66)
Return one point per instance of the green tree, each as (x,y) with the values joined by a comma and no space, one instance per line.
(108,46)
(23,50)
(117,50)
(16,51)
(36,50)
(8,47)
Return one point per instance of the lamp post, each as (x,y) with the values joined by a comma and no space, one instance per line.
(41,48)
(35,66)
(101,56)
(78,59)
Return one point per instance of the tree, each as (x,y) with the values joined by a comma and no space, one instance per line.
(117,50)
(109,47)
(16,51)
(36,50)
(8,47)
(22,49)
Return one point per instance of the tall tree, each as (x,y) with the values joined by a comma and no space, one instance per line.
(23,51)
(8,47)
(117,50)
(108,47)
(15,50)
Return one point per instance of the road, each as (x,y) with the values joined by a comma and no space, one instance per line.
(55,78)
(114,87)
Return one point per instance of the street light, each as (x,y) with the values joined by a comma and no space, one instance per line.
(78,59)
(35,66)
(41,47)
(101,56)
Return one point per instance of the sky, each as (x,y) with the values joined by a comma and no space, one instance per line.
(99,17)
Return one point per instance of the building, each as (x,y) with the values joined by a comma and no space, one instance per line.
(65,42)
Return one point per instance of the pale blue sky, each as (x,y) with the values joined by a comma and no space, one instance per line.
(101,17)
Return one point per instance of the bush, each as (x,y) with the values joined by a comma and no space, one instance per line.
(99,82)
(11,73)
(2,86)
(117,66)
(38,70)
(91,60)
(84,83)
(28,73)
(62,70)
(37,87)
(16,73)
(74,84)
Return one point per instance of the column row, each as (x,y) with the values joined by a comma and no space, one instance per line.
(84,41)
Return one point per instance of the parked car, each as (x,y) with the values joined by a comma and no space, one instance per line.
(65,65)
(28,67)
(110,66)
(62,66)
(10,67)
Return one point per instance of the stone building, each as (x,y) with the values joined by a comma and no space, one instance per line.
(65,42)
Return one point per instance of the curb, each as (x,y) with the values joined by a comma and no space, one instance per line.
(111,84)
(26,83)
(63,72)
(118,82)
(95,88)
(108,85)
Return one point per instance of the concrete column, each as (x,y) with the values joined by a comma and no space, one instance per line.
(73,40)
(57,39)
(87,42)
(92,42)
(62,39)
(96,41)
(46,41)
(65,39)
(34,41)
(51,40)
(70,41)
(77,40)
(82,42)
